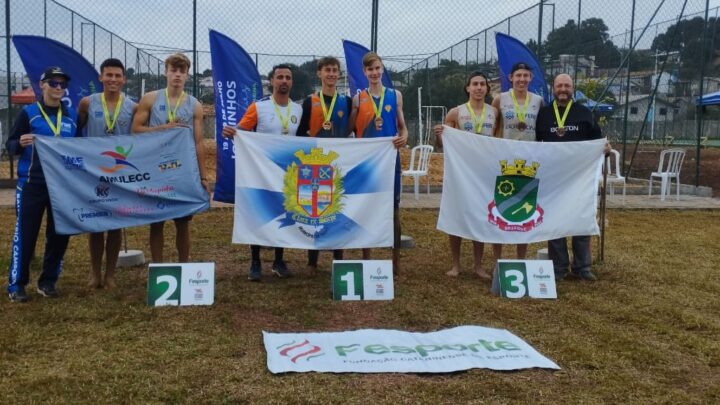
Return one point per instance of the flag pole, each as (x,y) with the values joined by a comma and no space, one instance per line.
(603,205)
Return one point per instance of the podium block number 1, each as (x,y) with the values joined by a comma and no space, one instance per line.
(163,286)
(348,282)
(513,280)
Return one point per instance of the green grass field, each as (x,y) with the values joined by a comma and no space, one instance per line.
(647,332)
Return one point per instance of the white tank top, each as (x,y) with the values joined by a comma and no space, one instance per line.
(465,121)
(268,120)
(510,120)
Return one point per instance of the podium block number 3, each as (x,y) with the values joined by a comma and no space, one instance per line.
(513,281)
(164,285)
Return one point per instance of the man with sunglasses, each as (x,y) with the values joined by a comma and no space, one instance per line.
(104,114)
(46,117)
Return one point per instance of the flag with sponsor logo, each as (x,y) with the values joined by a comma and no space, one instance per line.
(237,84)
(511,51)
(39,53)
(357,81)
(506,191)
(110,182)
(395,351)
(313,193)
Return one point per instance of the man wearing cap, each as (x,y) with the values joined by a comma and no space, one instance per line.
(46,117)
(104,114)
(565,121)
(518,111)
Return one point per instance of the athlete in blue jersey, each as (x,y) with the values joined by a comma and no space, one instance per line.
(46,117)
(377,112)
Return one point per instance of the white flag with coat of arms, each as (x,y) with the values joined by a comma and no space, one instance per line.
(313,193)
(506,191)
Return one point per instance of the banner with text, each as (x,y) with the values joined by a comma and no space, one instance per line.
(394,351)
(313,193)
(237,84)
(506,191)
(102,183)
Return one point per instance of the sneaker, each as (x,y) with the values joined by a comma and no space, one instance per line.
(281,270)
(47,291)
(255,271)
(18,295)
(586,275)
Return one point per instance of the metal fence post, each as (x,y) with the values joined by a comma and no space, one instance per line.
(699,107)
(627,88)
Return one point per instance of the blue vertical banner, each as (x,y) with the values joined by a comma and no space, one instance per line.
(237,84)
(354,53)
(511,51)
(39,53)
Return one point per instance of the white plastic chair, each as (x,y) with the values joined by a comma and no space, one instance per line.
(670,164)
(419,163)
(613,171)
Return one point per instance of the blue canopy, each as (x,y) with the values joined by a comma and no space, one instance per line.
(581,98)
(709,99)
(592,104)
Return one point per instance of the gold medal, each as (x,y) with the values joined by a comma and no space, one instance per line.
(109,131)
(327,125)
(521,126)
(378,123)
(285,131)
(560,131)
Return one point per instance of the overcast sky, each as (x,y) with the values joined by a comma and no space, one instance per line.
(316,27)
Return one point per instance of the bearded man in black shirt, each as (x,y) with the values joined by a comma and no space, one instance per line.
(565,121)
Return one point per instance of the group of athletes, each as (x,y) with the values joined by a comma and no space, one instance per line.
(376,111)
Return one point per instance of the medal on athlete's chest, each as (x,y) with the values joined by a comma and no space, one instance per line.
(285,131)
(378,123)
(327,125)
(521,126)
(560,131)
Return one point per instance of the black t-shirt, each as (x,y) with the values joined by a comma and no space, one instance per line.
(579,125)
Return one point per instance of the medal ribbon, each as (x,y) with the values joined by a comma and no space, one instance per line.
(106,113)
(561,121)
(54,128)
(377,107)
(172,114)
(516,106)
(327,114)
(284,122)
(477,124)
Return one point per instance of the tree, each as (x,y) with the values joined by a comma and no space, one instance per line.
(688,43)
(591,39)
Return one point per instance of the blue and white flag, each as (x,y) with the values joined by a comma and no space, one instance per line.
(506,191)
(511,51)
(110,182)
(354,54)
(237,84)
(39,53)
(313,193)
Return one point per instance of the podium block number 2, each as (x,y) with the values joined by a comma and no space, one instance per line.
(348,282)
(513,280)
(164,283)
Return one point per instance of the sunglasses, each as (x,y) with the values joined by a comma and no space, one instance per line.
(57,84)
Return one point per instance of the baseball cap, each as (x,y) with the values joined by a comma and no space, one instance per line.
(54,71)
(520,65)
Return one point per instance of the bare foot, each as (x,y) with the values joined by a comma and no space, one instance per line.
(95,281)
(483,274)
(454,272)
(110,280)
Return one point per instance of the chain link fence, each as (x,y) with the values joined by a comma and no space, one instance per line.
(642,61)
